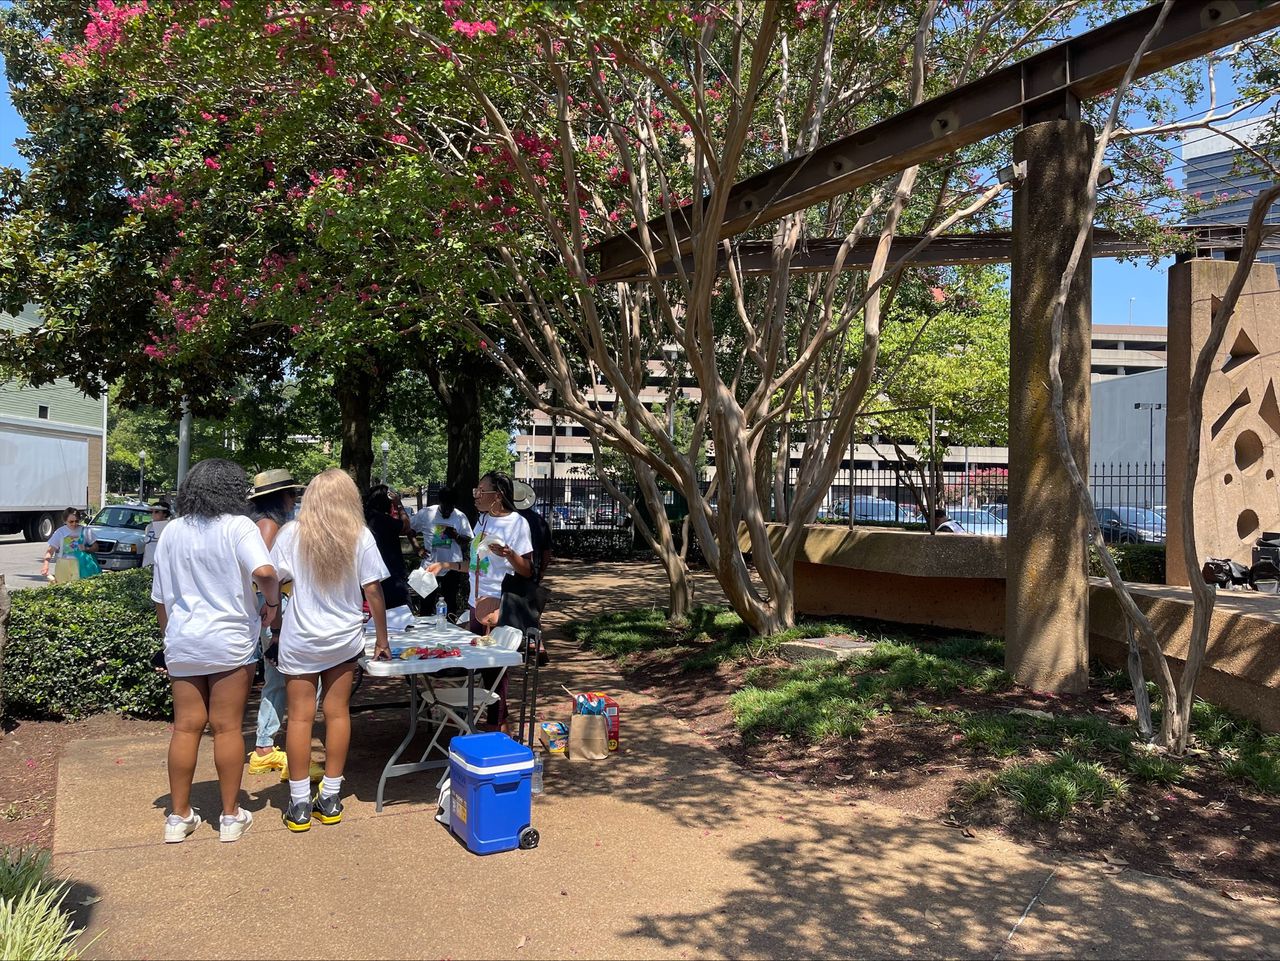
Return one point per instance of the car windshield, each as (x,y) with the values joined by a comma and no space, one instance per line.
(977,519)
(130,517)
(1140,517)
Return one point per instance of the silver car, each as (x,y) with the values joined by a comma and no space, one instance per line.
(121,531)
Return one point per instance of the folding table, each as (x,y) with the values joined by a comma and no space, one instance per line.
(417,670)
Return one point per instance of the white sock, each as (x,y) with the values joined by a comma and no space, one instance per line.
(330,786)
(299,790)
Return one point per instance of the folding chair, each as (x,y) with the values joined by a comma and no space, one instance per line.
(451,702)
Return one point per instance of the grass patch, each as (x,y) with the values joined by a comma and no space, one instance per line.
(821,698)
(1155,768)
(1052,790)
(709,635)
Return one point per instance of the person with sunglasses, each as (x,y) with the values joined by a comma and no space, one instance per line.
(501,545)
(67,540)
(160,514)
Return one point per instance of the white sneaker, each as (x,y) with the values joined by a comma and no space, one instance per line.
(179,829)
(230,828)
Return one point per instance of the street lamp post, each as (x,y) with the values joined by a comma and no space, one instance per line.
(672,354)
(386,446)
(1151,453)
(142,473)
(528,466)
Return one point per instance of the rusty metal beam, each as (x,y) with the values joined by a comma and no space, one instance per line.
(755,257)
(1042,87)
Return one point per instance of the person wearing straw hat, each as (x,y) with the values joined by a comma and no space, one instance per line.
(539,530)
(272,503)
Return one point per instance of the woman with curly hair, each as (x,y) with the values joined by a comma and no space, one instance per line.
(203,587)
(333,561)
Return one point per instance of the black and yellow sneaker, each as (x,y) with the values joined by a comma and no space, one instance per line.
(326,810)
(297,816)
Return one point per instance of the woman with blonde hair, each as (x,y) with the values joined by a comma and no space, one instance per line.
(332,560)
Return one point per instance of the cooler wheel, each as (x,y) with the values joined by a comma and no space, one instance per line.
(528,839)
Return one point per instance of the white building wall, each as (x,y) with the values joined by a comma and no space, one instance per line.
(1121,434)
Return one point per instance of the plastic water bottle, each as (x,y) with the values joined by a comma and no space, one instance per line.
(442,612)
(536,781)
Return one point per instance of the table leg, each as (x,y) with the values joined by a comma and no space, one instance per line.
(471,700)
(413,730)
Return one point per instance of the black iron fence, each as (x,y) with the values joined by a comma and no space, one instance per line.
(885,493)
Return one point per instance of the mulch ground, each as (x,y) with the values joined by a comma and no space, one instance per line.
(1205,830)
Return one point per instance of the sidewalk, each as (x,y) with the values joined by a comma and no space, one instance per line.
(666,850)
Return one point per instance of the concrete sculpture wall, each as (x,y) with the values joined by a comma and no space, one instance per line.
(1238,490)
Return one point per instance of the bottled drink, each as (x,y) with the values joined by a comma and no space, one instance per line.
(442,612)
(536,781)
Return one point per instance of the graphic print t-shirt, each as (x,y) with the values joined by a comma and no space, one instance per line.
(433,525)
(66,540)
(487,569)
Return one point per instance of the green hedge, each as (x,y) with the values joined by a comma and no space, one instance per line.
(85,648)
(1137,563)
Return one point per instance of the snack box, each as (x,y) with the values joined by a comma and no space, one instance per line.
(554,736)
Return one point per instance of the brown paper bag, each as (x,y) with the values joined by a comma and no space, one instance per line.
(588,737)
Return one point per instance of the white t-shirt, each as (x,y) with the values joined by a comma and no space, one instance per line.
(323,627)
(431,523)
(66,541)
(487,570)
(152,535)
(203,575)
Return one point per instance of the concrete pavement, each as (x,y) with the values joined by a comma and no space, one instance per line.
(665,850)
(20,561)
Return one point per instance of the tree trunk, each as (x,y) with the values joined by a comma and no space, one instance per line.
(355,404)
(463,429)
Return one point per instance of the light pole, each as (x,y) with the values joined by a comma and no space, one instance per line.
(672,354)
(386,446)
(1131,300)
(1151,454)
(528,468)
(142,473)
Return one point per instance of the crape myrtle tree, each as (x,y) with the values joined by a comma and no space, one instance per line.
(627,116)
(277,221)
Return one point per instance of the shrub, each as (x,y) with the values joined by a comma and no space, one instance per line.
(85,648)
(32,922)
(1137,563)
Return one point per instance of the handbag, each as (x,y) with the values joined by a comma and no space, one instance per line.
(88,566)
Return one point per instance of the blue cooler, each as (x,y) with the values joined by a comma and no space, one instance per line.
(490,800)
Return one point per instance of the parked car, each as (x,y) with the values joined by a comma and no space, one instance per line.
(977,521)
(998,510)
(869,508)
(121,533)
(1148,523)
(1114,529)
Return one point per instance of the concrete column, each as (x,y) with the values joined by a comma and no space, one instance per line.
(1237,494)
(1047,598)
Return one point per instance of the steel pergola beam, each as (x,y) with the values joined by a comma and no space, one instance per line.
(755,257)
(1044,86)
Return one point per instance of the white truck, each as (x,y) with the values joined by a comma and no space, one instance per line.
(41,475)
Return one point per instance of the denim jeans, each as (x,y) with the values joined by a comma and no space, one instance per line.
(271,705)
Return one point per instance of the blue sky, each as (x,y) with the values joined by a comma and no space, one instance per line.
(1120,291)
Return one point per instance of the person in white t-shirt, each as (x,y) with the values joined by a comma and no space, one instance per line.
(72,536)
(500,545)
(206,565)
(160,516)
(447,534)
(333,561)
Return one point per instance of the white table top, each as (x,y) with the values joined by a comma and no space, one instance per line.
(425,634)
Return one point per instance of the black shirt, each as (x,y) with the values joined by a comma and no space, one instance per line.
(386,534)
(539,537)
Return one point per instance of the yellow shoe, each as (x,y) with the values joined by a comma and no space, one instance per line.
(277,760)
(317,771)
